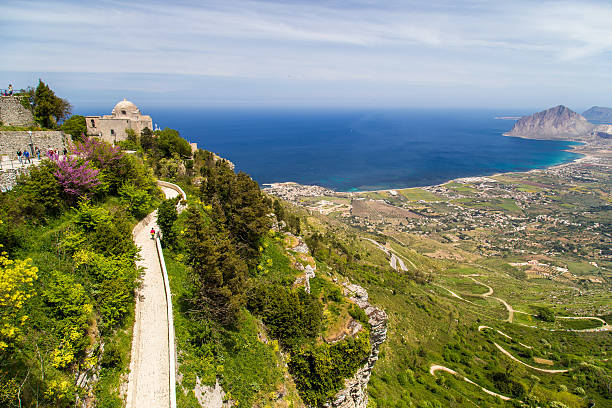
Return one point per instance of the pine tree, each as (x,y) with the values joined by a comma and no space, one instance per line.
(49,109)
(220,274)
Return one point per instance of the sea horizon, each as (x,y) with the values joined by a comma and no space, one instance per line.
(348,149)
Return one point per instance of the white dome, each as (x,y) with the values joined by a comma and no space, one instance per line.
(125,107)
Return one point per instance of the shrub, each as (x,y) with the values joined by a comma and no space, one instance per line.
(113,283)
(292,316)
(358,314)
(40,192)
(16,287)
(75,126)
(166,217)
(318,371)
(170,142)
(545,314)
(135,199)
(71,309)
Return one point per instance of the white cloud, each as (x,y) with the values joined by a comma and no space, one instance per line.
(476,43)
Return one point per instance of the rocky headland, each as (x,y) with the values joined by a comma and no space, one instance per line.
(559,123)
(598,114)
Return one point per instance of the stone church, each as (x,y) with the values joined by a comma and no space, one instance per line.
(111,128)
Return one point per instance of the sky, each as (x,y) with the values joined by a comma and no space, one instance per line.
(425,54)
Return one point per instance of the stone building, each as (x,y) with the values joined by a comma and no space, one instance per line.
(111,128)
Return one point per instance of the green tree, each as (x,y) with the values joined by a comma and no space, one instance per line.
(113,283)
(292,316)
(132,136)
(169,141)
(219,273)
(40,192)
(49,109)
(244,207)
(546,315)
(75,126)
(136,199)
(147,140)
(166,217)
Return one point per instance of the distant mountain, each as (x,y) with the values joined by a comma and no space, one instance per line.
(598,114)
(554,123)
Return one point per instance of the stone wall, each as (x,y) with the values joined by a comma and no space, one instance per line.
(8,177)
(13,113)
(11,141)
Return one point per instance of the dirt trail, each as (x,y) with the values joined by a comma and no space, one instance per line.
(434,368)
(480,328)
(544,370)
(148,381)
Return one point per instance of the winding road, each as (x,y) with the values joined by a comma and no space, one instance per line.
(395,260)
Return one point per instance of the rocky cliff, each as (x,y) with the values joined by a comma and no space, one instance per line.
(354,394)
(598,114)
(554,123)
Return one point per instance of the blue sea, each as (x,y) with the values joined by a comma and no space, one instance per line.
(349,150)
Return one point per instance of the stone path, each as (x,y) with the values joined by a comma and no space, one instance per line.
(148,381)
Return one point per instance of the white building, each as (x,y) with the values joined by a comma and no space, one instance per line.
(111,128)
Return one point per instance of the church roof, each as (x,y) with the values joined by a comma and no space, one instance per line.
(126,106)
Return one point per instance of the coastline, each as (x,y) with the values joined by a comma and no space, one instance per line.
(582,157)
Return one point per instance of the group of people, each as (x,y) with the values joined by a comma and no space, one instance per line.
(9,91)
(26,155)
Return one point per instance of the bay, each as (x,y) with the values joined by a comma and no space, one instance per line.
(352,149)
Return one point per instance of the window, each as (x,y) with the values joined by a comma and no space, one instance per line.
(93,123)
(112,131)
(123,112)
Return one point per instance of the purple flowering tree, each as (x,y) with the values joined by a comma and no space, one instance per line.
(101,154)
(77,177)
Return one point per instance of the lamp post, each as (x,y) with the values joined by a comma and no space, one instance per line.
(31,143)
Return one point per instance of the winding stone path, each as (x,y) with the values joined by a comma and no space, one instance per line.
(148,381)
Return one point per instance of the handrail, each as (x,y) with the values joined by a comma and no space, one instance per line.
(171,345)
(173,186)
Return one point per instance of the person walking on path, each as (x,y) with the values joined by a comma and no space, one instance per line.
(37,153)
(27,155)
(152,233)
(19,155)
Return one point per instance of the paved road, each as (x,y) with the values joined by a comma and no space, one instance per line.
(148,382)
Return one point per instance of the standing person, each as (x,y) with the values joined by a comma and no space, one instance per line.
(10,90)
(27,155)
(37,152)
(152,233)
(19,155)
